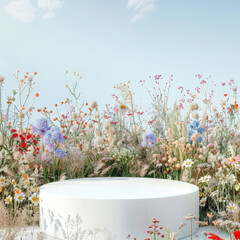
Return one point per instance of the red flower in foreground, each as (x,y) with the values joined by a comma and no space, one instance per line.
(23,145)
(214,237)
(237,235)
(22,137)
(13,130)
(29,136)
(14,135)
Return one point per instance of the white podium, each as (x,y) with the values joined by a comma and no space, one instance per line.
(115,207)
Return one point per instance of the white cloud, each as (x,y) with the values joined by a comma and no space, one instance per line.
(22,10)
(50,6)
(140,8)
(132,3)
(136,17)
(48,14)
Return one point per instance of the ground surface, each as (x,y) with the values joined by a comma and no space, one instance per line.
(32,232)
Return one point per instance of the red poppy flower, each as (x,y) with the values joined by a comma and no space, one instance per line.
(29,136)
(237,235)
(23,145)
(22,137)
(34,141)
(13,130)
(14,135)
(214,237)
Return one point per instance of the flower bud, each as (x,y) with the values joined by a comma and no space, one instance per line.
(74,115)
(93,104)
(9,98)
(1,78)
(234,88)
(21,115)
(30,78)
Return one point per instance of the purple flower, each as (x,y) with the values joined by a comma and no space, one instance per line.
(47,138)
(41,127)
(51,147)
(58,136)
(60,153)
(149,139)
(42,123)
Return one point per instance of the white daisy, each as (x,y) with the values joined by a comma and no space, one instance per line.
(36,189)
(205,179)
(26,183)
(231,207)
(2,180)
(34,199)
(8,199)
(19,197)
(14,182)
(188,163)
(222,199)
(203,202)
(123,108)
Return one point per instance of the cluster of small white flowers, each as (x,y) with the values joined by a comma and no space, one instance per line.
(32,191)
(125,152)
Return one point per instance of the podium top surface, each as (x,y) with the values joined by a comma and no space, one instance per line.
(118,188)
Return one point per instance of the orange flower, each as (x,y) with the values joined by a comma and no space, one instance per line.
(25,176)
(18,191)
(36,94)
(35,73)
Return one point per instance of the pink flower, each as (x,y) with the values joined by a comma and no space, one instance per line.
(233,160)
(44,156)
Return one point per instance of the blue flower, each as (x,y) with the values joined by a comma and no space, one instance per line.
(194,127)
(60,153)
(149,139)
(41,127)
(195,124)
(200,130)
(199,139)
(58,136)
(47,138)
(42,123)
(51,147)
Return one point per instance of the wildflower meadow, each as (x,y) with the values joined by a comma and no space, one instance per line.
(195,139)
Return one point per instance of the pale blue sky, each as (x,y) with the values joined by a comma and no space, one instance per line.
(112,41)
